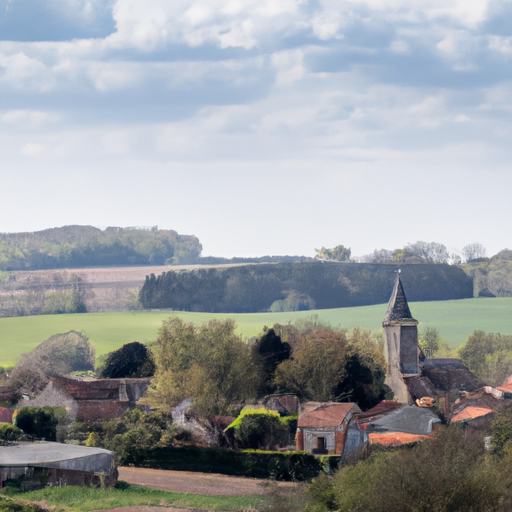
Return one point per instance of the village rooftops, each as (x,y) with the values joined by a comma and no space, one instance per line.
(329,414)
(398,309)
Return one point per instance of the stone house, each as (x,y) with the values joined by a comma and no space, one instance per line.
(329,428)
(88,399)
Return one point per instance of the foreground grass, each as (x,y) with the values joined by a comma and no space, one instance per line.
(455,320)
(87,499)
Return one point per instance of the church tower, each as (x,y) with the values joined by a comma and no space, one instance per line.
(402,354)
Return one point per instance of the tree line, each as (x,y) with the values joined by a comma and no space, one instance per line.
(220,370)
(87,246)
(298,286)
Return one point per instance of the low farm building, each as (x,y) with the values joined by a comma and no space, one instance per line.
(329,428)
(88,399)
(39,464)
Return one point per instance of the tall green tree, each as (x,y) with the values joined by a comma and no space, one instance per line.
(267,353)
(210,363)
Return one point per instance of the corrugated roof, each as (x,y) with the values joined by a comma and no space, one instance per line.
(325,414)
(470,413)
(398,309)
(411,419)
(396,438)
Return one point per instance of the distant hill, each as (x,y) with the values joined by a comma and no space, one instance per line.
(87,246)
(299,286)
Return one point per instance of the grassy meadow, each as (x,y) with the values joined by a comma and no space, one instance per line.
(88,499)
(455,320)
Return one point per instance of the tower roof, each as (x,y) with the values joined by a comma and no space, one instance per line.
(398,309)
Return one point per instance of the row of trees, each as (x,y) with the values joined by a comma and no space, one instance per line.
(285,286)
(215,366)
(427,252)
(84,246)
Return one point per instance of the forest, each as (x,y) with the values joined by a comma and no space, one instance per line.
(87,246)
(299,286)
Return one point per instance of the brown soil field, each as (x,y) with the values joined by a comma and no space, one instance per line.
(198,483)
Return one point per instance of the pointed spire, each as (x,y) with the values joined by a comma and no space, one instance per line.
(398,309)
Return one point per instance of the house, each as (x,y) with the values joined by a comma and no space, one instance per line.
(329,428)
(39,464)
(88,399)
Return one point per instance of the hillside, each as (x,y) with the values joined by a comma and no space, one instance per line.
(87,246)
(455,320)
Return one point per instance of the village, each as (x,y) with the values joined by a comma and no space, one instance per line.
(428,394)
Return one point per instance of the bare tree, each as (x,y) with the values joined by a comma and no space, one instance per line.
(473,251)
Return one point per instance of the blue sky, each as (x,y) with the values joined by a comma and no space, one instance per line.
(260,126)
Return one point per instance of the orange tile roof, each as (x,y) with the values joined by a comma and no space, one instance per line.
(470,413)
(506,388)
(396,438)
(328,414)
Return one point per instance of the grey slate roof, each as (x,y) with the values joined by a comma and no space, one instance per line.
(409,419)
(398,309)
(57,455)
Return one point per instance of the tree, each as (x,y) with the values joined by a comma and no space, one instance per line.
(488,356)
(210,363)
(329,365)
(267,353)
(430,341)
(473,251)
(338,253)
(132,360)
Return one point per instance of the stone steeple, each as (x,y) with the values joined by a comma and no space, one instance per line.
(398,309)
(402,353)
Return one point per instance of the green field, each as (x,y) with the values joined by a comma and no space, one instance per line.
(88,499)
(455,319)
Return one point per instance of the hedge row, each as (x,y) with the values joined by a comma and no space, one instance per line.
(285,466)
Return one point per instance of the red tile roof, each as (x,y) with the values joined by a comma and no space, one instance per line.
(506,388)
(396,438)
(327,414)
(470,413)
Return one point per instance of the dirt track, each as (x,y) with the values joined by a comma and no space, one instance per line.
(197,483)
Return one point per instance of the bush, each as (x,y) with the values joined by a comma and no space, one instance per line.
(9,432)
(40,422)
(261,431)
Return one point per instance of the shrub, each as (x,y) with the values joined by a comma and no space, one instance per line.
(9,432)
(40,422)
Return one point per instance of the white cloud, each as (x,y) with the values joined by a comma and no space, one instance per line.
(28,118)
(32,149)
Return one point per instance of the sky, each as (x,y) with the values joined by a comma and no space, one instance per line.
(263,127)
